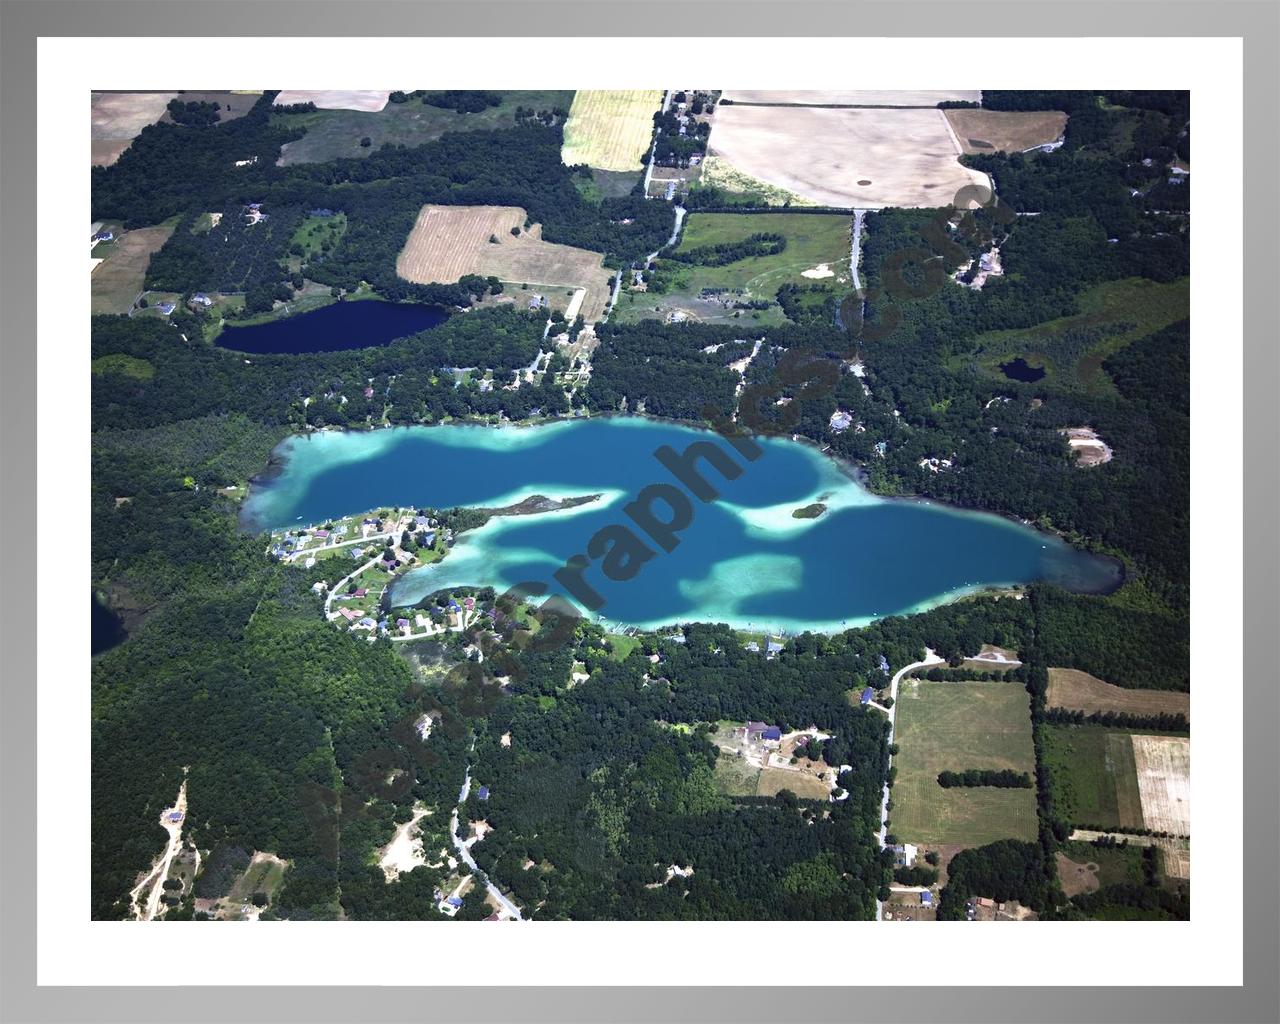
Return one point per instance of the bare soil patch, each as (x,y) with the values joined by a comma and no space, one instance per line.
(1077,878)
(116,118)
(807,787)
(909,156)
(448,242)
(1005,131)
(1078,691)
(336,99)
(853,97)
(1164,782)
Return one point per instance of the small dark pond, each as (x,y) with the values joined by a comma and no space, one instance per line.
(1019,369)
(105,628)
(334,328)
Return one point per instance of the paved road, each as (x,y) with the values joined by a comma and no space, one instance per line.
(929,659)
(465,853)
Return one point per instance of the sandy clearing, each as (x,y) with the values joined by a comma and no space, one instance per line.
(610,129)
(1164,782)
(448,242)
(1078,691)
(404,852)
(1090,449)
(820,271)
(370,100)
(854,97)
(846,157)
(1006,131)
(150,909)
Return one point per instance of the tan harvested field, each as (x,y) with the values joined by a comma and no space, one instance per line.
(448,242)
(853,97)
(116,282)
(1005,131)
(1176,857)
(1077,877)
(846,157)
(116,118)
(1078,691)
(610,129)
(336,99)
(1164,782)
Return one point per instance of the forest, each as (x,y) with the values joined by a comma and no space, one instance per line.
(292,729)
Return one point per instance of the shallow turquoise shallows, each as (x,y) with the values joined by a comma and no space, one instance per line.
(744,559)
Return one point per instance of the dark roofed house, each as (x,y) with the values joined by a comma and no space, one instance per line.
(773,647)
(359,592)
(454,901)
(772,733)
(884,664)
(926,899)
(867,696)
(166,307)
(402,623)
(482,793)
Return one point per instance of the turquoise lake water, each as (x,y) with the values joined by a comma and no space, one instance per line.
(743,559)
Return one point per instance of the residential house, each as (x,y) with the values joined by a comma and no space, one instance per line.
(867,696)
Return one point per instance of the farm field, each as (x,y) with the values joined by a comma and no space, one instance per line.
(853,97)
(1163,764)
(845,157)
(807,787)
(1094,776)
(957,726)
(337,133)
(116,282)
(1005,131)
(448,242)
(116,118)
(1078,691)
(817,251)
(610,129)
(1072,349)
(335,99)
(230,104)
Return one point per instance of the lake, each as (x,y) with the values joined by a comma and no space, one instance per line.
(333,328)
(744,559)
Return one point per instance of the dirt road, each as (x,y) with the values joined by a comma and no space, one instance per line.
(157,875)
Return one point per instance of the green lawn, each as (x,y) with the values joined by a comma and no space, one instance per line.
(1095,781)
(622,646)
(314,232)
(337,133)
(812,239)
(957,726)
(1072,349)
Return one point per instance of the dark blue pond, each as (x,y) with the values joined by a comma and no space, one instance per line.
(334,328)
(105,628)
(1020,369)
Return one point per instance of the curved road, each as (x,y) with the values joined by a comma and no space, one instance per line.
(465,853)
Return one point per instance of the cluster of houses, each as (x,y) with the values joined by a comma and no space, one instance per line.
(772,648)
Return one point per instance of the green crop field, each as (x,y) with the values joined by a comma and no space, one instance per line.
(337,133)
(1094,778)
(957,726)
